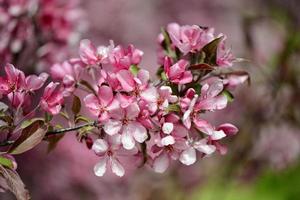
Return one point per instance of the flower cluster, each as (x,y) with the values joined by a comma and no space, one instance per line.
(38,27)
(126,114)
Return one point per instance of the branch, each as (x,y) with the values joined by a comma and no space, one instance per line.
(54,132)
(64,130)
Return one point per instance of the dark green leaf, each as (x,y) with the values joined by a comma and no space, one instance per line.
(76,106)
(210,51)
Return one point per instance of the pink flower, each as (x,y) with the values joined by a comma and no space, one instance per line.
(15,79)
(91,55)
(224,56)
(124,121)
(52,98)
(139,86)
(102,104)
(177,73)
(169,143)
(210,99)
(109,151)
(189,38)
(122,58)
(216,134)
(69,72)
(189,157)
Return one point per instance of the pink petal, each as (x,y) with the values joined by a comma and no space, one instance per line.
(112,127)
(127,139)
(100,146)
(229,129)
(161,163)
(188,156)
(92,103)
(126,80)
(150,94)
(88,52)
(100,167)
(217,135)
(167,128)
(168,140)
(132,111)
(105,95)
(138,131)
(117,168)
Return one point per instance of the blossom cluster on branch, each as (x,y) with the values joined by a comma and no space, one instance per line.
(109,100)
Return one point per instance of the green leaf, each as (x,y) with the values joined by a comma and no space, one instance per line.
(14,183)
(76,106)
(6,162)
(210,51)
(228,95)
(173,108)
(164,76)
(30,137)
(134,69)
(81,118)
(27,123)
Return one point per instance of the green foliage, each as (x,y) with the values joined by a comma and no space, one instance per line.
(271,185)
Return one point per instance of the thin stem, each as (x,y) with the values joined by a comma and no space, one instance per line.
(58,131)
(64,130)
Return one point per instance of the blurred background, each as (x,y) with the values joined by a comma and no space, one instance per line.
(263,159)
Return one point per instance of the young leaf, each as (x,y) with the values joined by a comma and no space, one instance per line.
(6,162)
(210,51)
(134,69)
(27,123)
(30,137)
(173,108)
(228,95)
(76,106)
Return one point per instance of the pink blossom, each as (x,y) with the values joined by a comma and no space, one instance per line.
(210,99)
(189,38)
(52,98)
(91,55)
(224,56)
(189,157)
(122,58)
(69,72)
(177,73)
(101,104)
(123,121)
(138,85)
(110,151)
(169,143)
(15,79)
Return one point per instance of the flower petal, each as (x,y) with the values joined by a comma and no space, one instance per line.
(112,127)
(167,128)
(100,167)
(100,146)
(161,163)
(127,139)
(188,156)
(117,168)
